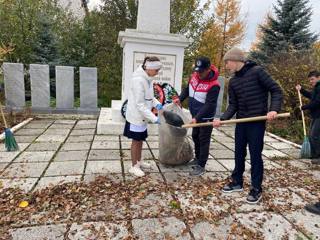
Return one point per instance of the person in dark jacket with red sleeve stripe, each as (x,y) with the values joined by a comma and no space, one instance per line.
(203,91)
(248,97)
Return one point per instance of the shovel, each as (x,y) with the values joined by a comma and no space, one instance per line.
(173,119)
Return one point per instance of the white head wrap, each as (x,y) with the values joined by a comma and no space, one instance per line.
(153,65)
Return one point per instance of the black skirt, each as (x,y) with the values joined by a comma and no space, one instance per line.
(138,136)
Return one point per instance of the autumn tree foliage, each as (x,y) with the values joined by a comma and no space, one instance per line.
(225,31)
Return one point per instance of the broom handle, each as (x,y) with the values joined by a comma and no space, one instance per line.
(4,119)
(242,120)
(302,113)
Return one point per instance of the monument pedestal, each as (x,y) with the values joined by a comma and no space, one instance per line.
(107,126)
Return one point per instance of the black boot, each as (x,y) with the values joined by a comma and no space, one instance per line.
(313,208)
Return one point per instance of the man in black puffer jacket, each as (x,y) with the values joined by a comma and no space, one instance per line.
(314,107)
(248,97)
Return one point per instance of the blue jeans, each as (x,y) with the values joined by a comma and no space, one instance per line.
(251,134)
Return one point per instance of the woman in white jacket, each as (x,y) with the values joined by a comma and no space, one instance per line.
(140,102)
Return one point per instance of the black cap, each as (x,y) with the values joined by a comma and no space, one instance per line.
(201,64)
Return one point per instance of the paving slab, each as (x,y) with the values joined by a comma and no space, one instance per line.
(2,166)
(293,152)
(112,138)
(98,230)
(229,165)
(160,228)
(307,222)
(85,126)
(153,145)
(271,225)
(206,231)
(29,131)
(22,147)
(96,167)
(87,122)
(302,164)
(6,157)
(60,121)
(180,168)
(274,154)
(267,164)
(105,145)
(223,139)
(146,154)
(150,205)
(151,138)
(39,125)
(63,156)
(60,126)
(57,131)
(127,145)
(76,146)
(154,169)
(270,139)
(65,168)
(57,180)
(44,146)
(25,139)
(219,154)
(24,170)
(217,146)
(216,132)
(81,132)
(215,166)
(279,145)
(25,184)
(26,157)
(49,232)
(115,177)
(76,139)
(104,155)
(51,138)
(155,153)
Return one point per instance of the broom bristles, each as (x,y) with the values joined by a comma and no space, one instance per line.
(305,149)
(10,141)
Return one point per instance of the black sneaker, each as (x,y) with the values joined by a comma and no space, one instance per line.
(232,187)
(193,163)
(313,208)
(197,170)
(254,196)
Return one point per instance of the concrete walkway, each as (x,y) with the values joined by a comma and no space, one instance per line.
(166,204)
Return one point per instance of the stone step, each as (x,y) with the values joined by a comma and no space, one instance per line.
(108,126)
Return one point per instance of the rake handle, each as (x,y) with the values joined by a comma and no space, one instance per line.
(242,120)
(302,114)
(4,119)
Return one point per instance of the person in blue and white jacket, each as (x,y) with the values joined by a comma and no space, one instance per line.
(140,102)
(203,91)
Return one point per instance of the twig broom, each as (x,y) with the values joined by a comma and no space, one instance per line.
(305,148)
(9,140)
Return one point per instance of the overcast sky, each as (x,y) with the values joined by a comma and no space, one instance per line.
(255,11)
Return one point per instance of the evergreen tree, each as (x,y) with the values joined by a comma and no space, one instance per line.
(287,31)
(45,47)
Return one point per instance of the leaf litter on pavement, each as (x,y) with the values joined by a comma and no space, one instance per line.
(191,201)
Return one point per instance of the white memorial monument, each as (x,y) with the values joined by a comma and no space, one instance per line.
(151,38)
